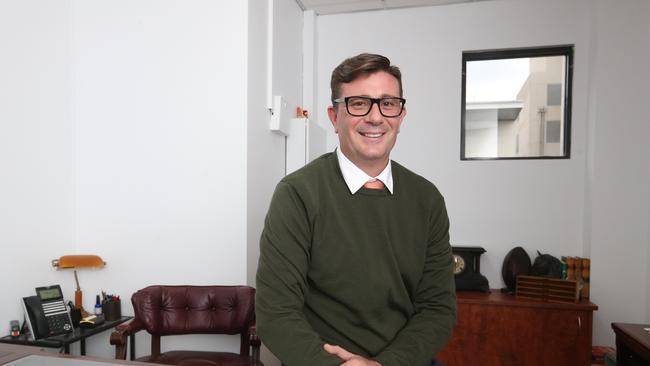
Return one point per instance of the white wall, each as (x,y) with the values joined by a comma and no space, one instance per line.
(159,128)
(619,169)
(287,52)
(36,148)
(537,204)
(124,134)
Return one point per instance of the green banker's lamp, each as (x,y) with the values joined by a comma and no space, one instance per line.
(75,262)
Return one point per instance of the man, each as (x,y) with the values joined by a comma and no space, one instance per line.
(355,264)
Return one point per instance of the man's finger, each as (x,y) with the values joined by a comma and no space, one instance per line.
(338,351)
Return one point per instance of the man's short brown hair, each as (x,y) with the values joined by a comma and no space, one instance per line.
(363,64)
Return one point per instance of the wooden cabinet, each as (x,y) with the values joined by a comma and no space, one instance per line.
(496,329)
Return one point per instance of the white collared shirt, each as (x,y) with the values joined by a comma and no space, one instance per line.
(355,178)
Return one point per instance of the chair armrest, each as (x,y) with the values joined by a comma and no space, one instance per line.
(255,342)
(252,335)
(120,336)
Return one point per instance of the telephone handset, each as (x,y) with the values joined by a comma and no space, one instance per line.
(46,313)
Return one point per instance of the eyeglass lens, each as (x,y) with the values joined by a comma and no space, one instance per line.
(360,106)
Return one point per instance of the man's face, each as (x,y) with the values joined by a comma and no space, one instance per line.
(368,140)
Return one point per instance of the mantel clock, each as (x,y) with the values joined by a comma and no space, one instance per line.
(467,269)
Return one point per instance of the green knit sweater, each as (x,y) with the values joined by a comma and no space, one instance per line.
(371,272)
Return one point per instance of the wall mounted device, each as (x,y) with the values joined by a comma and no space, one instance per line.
(280,116)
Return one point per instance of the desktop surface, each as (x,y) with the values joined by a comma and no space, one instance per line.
(19,355)
(38,360)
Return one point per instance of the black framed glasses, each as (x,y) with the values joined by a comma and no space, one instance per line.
(360,106)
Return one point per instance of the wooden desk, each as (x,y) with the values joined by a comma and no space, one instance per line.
(632,344)
(64,340)
(496,329)
(10,353)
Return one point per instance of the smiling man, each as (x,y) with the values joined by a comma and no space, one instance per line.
(355,264)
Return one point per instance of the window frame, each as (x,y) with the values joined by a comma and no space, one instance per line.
(526,52)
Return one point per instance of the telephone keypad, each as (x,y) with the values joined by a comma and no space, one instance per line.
(57,317)
(58,323)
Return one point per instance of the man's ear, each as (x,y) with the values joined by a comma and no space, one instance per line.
(331,112)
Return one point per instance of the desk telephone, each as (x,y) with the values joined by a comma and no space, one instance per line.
(46,314)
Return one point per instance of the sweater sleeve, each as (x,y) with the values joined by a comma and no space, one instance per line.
(429,329)
(282,283)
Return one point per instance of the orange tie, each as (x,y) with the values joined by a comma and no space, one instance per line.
(374,183)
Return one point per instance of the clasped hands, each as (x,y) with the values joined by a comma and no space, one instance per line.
(349,358)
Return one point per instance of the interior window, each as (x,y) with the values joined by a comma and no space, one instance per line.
(516,103)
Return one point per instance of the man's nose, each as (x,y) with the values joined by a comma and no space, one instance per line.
(374,116)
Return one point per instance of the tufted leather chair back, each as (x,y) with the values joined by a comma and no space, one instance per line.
(170,310)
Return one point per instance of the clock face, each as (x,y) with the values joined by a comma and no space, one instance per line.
(459,264)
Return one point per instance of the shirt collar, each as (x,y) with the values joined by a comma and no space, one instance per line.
(355,178)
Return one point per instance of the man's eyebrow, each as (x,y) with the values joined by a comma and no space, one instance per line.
(381,96)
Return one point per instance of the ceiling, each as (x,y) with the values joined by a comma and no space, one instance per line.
(324,7)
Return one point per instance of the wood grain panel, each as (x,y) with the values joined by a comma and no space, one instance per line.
(499,330)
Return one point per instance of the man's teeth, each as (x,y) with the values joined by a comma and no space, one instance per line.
(372,134)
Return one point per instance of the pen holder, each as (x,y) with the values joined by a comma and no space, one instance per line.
(112,310)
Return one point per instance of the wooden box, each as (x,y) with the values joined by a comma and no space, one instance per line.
(547,289)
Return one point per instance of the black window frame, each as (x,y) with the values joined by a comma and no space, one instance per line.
(525,52)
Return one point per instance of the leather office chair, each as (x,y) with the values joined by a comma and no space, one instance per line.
(174,310)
